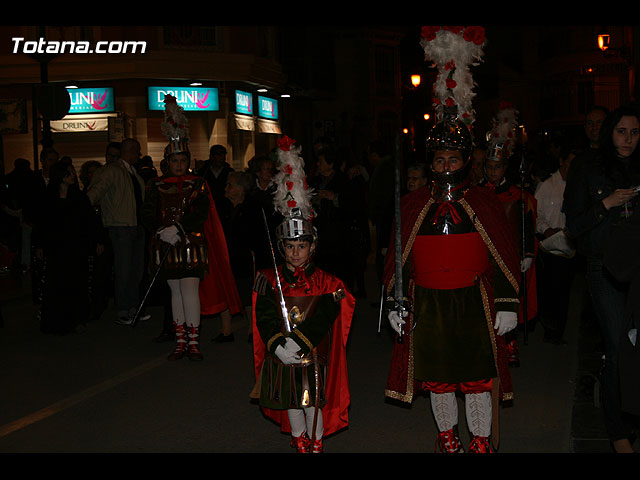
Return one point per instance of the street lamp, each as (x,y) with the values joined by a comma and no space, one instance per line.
(604,43)
(415,80)
(604,39)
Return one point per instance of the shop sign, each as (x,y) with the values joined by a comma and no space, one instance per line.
(244,102)
(268,108)
(80,123)
(91,100)
(203,99)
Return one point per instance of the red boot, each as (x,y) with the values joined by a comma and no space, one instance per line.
(181,343)
(301,443)
(316,447)
(480,445)
(448,442)
(194,343)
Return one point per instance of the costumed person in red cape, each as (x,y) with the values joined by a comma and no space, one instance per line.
(458,266)
(501,141)
(302,317)
(180,211)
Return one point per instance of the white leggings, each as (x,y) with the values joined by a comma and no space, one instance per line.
(185,301)
(477,408)
(301,420)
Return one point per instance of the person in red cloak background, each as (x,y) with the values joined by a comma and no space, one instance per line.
(301,321)
(458,266)
(501,144)
(180,211)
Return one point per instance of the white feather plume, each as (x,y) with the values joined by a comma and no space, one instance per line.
(449,49)
(292,191)
(175,125)
(503,130)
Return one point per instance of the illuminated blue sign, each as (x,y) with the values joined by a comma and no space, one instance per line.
(91,100)
(244,102)
(267,108)
(203,99)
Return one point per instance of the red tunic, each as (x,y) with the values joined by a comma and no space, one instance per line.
(336,411)
(509,199)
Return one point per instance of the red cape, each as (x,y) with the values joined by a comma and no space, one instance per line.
(336,412)
(514,194)
(499,239)
(218,290)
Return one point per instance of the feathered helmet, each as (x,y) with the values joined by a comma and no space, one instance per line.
(175,127)
(292,197)
(453,50)
(501,139)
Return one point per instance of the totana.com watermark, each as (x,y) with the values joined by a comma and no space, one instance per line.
(20,45)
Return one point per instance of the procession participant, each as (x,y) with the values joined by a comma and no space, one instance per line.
(180,211)
(458,273)
(302,318)
(517,202)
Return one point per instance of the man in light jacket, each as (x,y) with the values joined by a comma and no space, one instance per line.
(119,191)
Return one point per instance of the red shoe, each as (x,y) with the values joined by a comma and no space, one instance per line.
(480,445)
(193,334)
(317,446)
(301,443)
(448,442)
(181,344)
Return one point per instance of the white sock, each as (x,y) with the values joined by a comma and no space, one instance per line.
(478,411)
(445,410)
(185,300)
(297,421)
(310,412)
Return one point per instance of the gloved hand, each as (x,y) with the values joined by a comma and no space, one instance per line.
(289,353)
(526,264)
(505,322)
(169,234)
(397,321)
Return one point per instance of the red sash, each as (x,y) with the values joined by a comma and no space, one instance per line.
(449,261)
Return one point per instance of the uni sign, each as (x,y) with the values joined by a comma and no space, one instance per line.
(200,99)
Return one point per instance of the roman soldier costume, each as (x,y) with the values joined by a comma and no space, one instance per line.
(501,143)
(188,246)
(302,318)
(459,269)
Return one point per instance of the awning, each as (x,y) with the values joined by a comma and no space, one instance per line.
(243,122)
(82,123)
(268,126)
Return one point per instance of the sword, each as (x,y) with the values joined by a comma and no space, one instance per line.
(524,244)
(283,306)
(155,275)
(399,301)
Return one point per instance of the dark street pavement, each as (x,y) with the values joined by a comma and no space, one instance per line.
(111,389)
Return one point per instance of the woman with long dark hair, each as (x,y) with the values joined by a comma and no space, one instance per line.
(67,236)
(600,195)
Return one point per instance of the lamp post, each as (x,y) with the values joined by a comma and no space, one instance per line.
(604,44)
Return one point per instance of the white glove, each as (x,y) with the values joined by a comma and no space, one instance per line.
(289,353)
(169,235)
(505,322)
(397,321)
(526,264)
